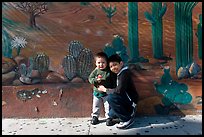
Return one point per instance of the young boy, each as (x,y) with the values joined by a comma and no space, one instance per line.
(124,97)
(101,75)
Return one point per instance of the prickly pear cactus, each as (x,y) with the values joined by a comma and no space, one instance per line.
(85,63)
(69,65)
(109,50)
(74,48)
(117,47)
(172,91)
(117,42)
(41,62)
(166,77)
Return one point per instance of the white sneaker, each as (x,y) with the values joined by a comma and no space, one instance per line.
(134,112)
(124,125)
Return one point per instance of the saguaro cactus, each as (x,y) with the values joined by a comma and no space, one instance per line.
(69,65)
(158,12)
(41,62)
(133,40)
(184,33)
(110,11)
(199,35)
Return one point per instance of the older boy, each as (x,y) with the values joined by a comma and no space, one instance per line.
(124,97)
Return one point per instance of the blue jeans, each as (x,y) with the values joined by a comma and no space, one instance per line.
(120,106)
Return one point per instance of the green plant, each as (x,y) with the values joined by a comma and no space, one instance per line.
(85,63)
(18,43)
(26,70)
(70,66)
(110,11)
(74,48)
(41,62)
(79,61)
(184,33)
(133,39)
(84,3)
(199,35)
(172,91)
(6,44)
(155,19)
(117,47)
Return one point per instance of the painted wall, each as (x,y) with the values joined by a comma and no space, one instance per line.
(56,44)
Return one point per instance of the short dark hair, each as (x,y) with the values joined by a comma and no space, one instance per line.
(114,58)
(102,55)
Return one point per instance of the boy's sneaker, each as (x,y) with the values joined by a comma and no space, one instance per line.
(94,120)
(127,124)
(134,112)
(112,121)
(109,122)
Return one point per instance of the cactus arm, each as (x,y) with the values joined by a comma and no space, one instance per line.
(149,17)
(23,69)
(30,67)
(162,11)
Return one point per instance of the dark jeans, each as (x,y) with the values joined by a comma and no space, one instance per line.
(120,106)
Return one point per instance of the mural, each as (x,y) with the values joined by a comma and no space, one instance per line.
(48,48)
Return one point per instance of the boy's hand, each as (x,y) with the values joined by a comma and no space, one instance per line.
(102,88)
(99,77)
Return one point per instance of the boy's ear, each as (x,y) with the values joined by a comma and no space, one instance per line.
(121,63)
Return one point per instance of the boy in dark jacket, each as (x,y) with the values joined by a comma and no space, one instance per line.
(124,97)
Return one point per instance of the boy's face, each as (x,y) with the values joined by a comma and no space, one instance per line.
(101,63)
(115,67)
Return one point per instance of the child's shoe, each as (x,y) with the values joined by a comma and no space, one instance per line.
(94,120)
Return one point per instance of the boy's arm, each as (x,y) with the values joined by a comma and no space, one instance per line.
(93,78)
(122,84)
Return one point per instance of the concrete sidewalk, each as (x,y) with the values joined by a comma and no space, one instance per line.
(154,125)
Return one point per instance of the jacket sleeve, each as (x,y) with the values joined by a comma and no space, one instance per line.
(122,84)
(92,77)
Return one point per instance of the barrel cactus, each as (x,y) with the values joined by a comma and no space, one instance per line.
(41,62)
(85,63)
(74,48)
(69,65)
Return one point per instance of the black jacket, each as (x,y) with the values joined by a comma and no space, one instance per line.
(125,84)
